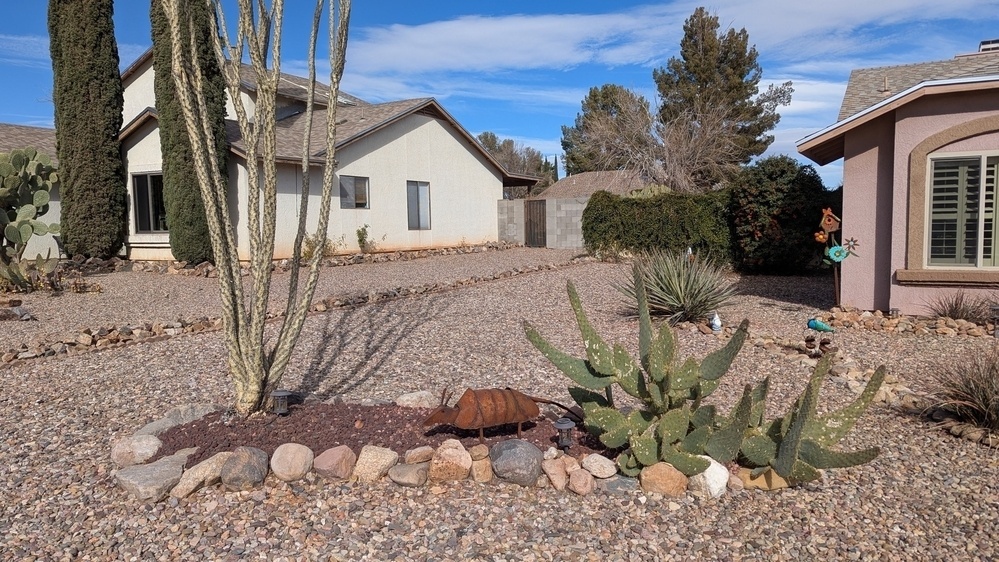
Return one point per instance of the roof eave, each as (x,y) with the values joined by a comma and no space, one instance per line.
(826,145)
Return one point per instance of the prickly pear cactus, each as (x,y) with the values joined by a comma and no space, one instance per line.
(799,443)
(671,425)
(26,181)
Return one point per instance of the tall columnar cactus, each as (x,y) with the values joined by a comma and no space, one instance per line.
(26,181)
(672,426)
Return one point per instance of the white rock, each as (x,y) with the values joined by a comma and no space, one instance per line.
(712,482)
(421,399)
(599,466)
(292,461)
(135,449)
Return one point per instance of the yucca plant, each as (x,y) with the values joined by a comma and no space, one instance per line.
(680,287)
(968,388)
(961,306)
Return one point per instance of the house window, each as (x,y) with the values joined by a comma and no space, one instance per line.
(962,211)
(353,192)
(150,212)
(418,197)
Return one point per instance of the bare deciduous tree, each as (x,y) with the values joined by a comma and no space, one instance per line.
(255,366)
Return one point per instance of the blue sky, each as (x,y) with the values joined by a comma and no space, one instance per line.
(520,69)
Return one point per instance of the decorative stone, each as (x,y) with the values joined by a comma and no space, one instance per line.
(410,475)
(662,478)
(420,399)
(581,482)
(245,469)
(450,462)
(292,461)
(205,473)
(570,463)
(767,480)
(712,482)
(599,466)
(180,415)
(336,463)
(135,449)
(735,483)
(373,463)
(418,455)
(479,452)
(517,461)
(482,470)
(555,470)
(151,482)
(618,485)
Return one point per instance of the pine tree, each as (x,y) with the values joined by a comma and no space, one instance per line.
(720,71)
(582,152)
(185,211)
(87,95)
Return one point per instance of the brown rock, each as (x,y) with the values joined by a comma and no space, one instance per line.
(418,455)
(570,463)
(662,478)
(450,462)
(555,470)
(482,470)
(336,463)
(373,463)
(581,482)
(768,480)
(479,452)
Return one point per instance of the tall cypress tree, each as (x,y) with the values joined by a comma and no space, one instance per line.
(87,92)
(185,210)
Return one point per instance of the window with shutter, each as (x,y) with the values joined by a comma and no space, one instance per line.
(962,212)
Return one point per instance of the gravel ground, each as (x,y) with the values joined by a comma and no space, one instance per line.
(929,496)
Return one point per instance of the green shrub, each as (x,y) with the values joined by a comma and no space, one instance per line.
(969,389)
(668,221)
(680,287)
(776,206)
(961,306)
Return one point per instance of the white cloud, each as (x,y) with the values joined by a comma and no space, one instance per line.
(25,50)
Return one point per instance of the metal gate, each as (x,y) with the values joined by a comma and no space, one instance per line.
(535,233)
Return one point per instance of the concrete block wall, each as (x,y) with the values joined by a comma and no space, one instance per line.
(564,223)
(511,220)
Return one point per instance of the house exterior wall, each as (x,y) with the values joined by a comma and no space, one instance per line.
(139,93)
(867,204)
(463,192)
(141,154)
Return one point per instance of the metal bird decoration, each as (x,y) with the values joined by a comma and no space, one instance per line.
(819,326)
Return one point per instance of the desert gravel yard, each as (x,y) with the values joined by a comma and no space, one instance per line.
(929,496)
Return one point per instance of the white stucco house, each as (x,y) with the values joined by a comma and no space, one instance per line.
(407,170)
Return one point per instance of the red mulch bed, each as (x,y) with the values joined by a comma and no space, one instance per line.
(321,426)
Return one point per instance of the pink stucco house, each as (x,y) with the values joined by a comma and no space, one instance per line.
(920,150)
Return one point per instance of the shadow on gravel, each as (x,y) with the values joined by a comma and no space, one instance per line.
(358,343)
(814,291)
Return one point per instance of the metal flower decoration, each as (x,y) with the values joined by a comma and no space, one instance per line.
(837,253)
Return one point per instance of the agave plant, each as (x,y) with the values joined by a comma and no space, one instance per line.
(680,287)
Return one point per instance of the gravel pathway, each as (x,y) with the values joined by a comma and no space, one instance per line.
(929,496)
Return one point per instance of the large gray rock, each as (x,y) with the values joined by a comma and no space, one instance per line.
(151,482)
(373,463)
(517,461)
(336,463)
(245,469)
(292,461)
(135,449)
(178,416)
(205,473)
(411,475)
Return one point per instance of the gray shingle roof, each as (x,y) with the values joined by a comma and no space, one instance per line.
(867,85)
(22,136)
(585,184)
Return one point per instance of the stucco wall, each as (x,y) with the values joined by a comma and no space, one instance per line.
(867,203)
(463,192)
(141,154)
(139,93)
